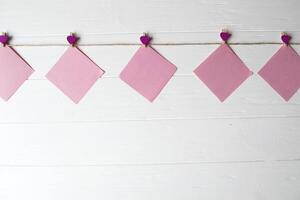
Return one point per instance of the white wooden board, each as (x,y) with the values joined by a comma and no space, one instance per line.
(115,144)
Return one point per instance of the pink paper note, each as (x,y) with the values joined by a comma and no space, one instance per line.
(223,72)
(74,74)
(13,72)
(148,72)
(282,72)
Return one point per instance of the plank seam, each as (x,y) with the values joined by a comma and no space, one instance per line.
(151,120)
(149,164)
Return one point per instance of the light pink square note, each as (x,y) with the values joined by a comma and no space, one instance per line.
(13,72)
(222,72)
(148,72)
(74,74)
(282,72)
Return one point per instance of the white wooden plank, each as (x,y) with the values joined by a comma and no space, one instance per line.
(116,145)
(140,142)
(49,21)
(276,181)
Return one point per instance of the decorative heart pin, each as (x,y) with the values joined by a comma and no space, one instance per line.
(72,39)
(145,39)
(225,36)
(4,39)
(286,38)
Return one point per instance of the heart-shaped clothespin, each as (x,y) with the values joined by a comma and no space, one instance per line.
(4,39)
(286,38)
(72,39)
(145,39)
(225,35)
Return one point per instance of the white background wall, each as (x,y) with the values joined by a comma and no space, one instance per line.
(115,144)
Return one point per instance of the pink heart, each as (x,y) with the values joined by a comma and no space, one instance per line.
(286,39)
(72,39)
(145,39)
(3,39)
(225,36)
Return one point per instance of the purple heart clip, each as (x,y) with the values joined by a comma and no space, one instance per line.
(4,38)
(145,39)
(225,36)
(286,38)
(72,39)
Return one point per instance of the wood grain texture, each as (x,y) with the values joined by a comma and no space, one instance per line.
(165,142)
(116,145)
(228,181)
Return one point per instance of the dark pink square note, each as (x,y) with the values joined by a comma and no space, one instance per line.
(222,72)
(282,72)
